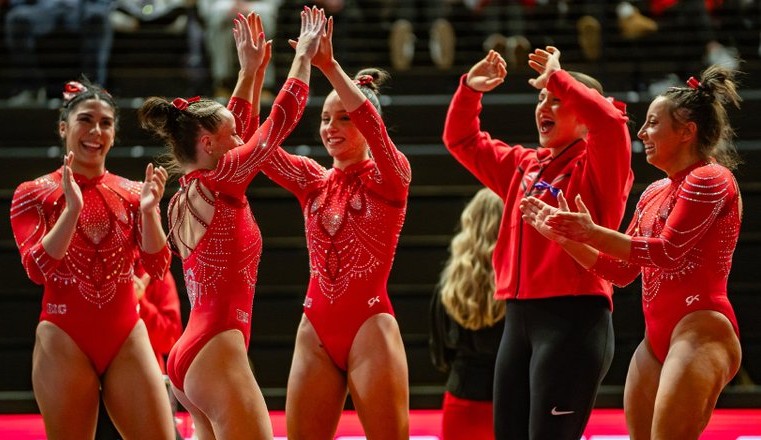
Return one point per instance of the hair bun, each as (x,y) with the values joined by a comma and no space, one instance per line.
(364,80)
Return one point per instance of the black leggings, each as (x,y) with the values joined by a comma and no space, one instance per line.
(553,356)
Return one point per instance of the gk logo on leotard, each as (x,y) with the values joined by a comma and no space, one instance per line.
(56,309)
(308,303)
(691,299)
(373,301)
(242,316)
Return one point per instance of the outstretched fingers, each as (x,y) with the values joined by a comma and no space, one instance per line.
(312,28)
(544,62)
(580,204)
(324,56)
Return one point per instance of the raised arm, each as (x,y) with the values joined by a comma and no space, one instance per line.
(350,95)
(607,171)
(312,28)
(251,47)
(239,166)
(486,158)
(253,55)
(393,167)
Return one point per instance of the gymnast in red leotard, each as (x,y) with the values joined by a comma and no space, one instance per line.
(348,339)
(220,150)
(78,229)
(681,240)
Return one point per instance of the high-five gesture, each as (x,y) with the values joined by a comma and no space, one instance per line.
(488,73)
(545,63)
(324,56)
(250,42)
(255,23)
(312,29)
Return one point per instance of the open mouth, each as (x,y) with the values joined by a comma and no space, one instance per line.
(545,126)
(91,146)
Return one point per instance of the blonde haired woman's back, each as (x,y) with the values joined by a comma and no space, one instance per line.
(467,322)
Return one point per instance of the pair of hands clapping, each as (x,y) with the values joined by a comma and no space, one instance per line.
(150,194)
(559,224)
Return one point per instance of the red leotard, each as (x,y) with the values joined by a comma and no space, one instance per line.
(89,293)
(684,232)
(352,219)
(220,271)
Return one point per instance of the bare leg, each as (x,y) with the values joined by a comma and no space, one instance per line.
(220,384)
(64,379)
(316,389)
(378,379)
(640,391)
(134,391)
(201,424)
(703,357)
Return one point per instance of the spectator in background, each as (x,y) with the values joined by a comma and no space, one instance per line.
(467,322)
(443,22)
(420,18)
(690,22)
(596,21)
(28,22)
(216,15)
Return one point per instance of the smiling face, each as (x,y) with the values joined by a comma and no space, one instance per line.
(89,132)
(341,138)
(667,142)
(557,125)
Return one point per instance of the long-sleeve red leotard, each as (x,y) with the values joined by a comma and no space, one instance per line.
(220,271)
(89,293)
(684,231)
(352,218)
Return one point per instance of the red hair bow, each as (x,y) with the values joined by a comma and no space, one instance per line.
(72,89)
(693,83)
(364,80)
(182,103)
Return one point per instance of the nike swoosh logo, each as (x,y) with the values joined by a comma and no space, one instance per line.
(555,412)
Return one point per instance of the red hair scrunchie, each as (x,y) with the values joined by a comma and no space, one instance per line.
(694,83)
(72,89)
(364,80)
(182,103)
